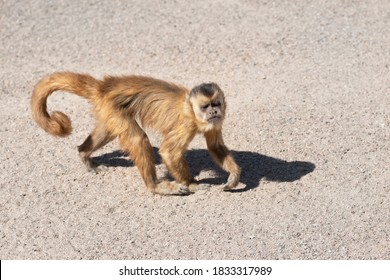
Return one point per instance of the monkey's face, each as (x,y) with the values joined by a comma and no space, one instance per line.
(208,104)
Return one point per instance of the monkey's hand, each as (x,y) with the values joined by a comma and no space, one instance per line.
(233,180)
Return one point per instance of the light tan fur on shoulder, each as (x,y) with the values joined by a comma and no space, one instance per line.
(124,106)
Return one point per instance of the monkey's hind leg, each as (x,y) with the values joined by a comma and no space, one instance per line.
(136,143)
(96,140)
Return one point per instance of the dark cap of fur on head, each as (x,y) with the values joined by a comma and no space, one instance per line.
(207,89)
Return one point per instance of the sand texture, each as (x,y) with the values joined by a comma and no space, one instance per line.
(308,91)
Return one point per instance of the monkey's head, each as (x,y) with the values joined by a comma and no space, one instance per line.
(208,104)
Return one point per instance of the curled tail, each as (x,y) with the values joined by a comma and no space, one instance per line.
(57,123)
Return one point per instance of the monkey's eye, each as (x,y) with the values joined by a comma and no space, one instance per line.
(204,107)
(216,104)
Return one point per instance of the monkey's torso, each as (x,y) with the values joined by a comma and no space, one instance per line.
(153,103)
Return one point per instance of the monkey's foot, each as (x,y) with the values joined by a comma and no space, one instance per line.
(93,166)
(171,188)
(229,186)
(232,182)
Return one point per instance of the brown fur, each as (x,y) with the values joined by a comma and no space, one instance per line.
(124,106)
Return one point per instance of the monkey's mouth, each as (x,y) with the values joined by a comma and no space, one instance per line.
(214,119)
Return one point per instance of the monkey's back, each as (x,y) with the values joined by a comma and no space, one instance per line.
(151,102)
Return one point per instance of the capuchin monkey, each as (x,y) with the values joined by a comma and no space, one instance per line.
(124,106)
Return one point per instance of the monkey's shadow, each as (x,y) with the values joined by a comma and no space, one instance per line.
(254,167)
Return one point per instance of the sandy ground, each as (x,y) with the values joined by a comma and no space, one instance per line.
(307,84)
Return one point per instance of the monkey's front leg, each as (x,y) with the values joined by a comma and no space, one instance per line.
(222,156)
(228,164)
